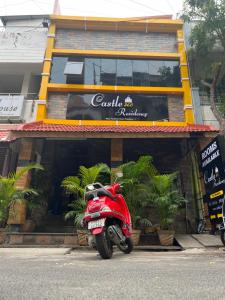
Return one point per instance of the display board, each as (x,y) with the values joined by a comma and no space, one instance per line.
(117,107)
(212,165)
(11,107)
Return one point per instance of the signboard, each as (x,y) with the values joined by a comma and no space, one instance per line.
(214,179)
(11,107)
(117,107)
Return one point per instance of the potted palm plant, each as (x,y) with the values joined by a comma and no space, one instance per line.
(136,178)
(76,213)
(12,200)
(167,199)
(75,185)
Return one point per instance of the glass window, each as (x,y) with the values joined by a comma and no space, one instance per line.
(57,71)
(124,72)
(112,71)
(164,73)
(170,73)
(141,73)
(92,71)
(73,68)
(108,72)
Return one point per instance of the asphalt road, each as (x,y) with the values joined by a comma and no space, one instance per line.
(52,274)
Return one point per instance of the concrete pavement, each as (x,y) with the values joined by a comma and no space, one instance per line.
(28,274)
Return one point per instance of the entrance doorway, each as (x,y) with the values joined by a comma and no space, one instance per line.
(68,157)
(62,158)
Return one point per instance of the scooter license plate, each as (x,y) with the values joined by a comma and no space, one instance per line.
(96,224)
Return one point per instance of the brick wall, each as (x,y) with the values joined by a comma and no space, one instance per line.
(110,40)
(57,106)
(175,108)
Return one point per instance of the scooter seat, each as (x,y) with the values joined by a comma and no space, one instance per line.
(103,192)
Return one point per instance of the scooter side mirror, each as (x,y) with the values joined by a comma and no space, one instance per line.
(119,174)
(90,187)
(116,187)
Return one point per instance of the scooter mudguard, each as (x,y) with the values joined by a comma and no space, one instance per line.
(97,230)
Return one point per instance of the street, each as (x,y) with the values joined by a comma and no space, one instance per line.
(53,274)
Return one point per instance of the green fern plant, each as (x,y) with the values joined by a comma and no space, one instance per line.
(75,185)
(9,193)
(166,198)
(136,179)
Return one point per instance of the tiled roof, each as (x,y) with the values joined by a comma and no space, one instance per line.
(44,127)
(3,135)
(5,130)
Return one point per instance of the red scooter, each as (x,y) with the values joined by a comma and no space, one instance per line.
(108,219)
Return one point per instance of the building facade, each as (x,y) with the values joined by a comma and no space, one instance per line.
(111,91)
(22,49)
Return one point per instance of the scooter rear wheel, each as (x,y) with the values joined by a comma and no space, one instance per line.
(104,245)
(222,236)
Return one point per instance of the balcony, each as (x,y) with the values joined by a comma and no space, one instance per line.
(17,107)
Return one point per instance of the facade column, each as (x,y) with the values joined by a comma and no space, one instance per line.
(17,213)
(116,153)
(43,94)
(188,106)
(25,157)
(26,83)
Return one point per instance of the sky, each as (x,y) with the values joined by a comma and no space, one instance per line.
(101,8)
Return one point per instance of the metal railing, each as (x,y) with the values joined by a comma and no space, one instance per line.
(27,96)
(205,99)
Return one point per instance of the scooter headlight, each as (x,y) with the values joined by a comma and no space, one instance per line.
(106,209)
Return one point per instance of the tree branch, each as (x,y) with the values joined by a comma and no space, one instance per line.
(206,83)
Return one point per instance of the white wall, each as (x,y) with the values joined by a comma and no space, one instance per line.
(208,116)
(23,41)
(30,111)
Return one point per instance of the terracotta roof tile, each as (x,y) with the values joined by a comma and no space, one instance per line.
(43,127)
(5,130)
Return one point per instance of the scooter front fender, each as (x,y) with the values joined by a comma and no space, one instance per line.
(96,231)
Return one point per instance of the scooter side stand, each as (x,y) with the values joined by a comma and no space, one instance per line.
(115,236)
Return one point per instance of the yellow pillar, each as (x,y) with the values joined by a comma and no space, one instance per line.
(188,106)
(41,111)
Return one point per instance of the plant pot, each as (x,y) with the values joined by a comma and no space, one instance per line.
(166,237)
(82,237)
(152,229)
(149,229)
(28,226)
(2,235)
(136,236)
(17,213)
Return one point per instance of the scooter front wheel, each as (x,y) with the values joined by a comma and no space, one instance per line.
(104,245)
(222,236)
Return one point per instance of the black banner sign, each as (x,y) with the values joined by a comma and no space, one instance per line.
(214,179)
(117,107)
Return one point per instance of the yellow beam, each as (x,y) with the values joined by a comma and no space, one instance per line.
(118,24)
(58,87)
(41,110)
(107,53)
(105,19)
(188,106)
